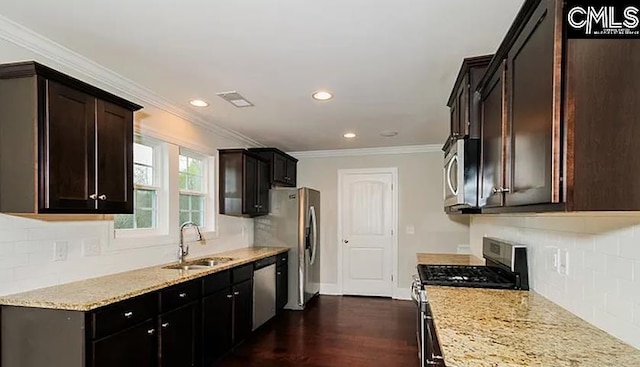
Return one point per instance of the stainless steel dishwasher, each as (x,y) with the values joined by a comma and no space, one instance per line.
(264,291)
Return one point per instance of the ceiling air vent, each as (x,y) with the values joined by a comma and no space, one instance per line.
(235,99)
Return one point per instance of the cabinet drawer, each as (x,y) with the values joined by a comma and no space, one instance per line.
(179,295)
(264,262)
(283,259)
(242,273)
(216,281)
(124,314)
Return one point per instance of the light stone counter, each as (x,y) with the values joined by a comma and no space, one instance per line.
(498,328)
(92,293)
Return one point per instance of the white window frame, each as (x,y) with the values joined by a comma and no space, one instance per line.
(208,194)
(161,188)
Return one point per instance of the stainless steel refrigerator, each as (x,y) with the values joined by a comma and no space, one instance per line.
(294,222)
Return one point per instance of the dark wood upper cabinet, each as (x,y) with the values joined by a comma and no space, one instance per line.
(244,183)
(569,129)
(464,120)
(65,146)
(283,167)
(493,114)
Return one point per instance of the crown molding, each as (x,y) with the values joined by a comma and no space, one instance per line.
(407,149)
(116,83)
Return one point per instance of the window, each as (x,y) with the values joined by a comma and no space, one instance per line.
(193,187)
(145,179)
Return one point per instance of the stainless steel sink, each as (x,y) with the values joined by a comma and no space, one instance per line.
(208,262)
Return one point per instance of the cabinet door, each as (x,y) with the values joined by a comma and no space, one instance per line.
(67,169)
(217,325)
(463,107)
(250,180)
(262,187)
(115,158)
(292,173)
(280,169)
(530,88)
(134,347)
(282,286)
(454,120)
(242,310)
(492,153)
(177,337)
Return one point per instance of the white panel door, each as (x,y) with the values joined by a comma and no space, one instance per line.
(366,205)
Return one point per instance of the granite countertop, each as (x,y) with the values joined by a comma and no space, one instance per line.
(89,294)
(507,328)
(448,259)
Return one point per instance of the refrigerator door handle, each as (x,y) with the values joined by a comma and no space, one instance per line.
(314,234)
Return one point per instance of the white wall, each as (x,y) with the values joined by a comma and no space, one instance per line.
(603,283)
(26,246)
(420,205)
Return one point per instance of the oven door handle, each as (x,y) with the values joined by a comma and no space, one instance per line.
(434,357)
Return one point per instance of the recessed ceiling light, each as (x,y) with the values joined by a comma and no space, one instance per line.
(198,103)
(389,133)
(349,135)
(322,95)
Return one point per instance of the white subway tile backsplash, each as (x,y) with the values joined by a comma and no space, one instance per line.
(11,235)
(619,267)
(630,248)
(603,283)
(607,245)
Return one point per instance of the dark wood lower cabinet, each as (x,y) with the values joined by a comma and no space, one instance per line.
(133,347)
(191,324)
(178,337)
(242,310)
(282,286)
(217,311)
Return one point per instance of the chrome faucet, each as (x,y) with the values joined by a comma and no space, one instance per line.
(183,249)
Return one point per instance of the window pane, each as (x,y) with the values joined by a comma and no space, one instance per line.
(144,219)
(142,175)
(195,167)
(196,202)
(183,163)
(142,154)
(191,171)
(197,218)
(196,183)
(184,202)
(123,221)
(145,199)
(184,217)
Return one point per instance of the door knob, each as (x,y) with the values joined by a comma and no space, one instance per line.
(345,241)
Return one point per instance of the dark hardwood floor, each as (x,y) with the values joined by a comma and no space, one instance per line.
(335,331)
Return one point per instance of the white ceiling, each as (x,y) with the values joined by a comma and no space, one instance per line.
(390,63)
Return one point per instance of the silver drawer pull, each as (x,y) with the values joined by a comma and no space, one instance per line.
(236,293)
(229,295)
(165,325)
(93,196)
(102,197)
(151,331)
(182,295)
(128,314)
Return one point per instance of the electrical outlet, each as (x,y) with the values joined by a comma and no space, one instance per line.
(563,262)
(60,250)
(91,247)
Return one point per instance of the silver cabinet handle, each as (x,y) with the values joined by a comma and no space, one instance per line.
(500,190)
(165,325)
(93,196)
(128,314)
(279,273)
(236,293)
(102,197)
(229,295)
(151,331)
(182,295)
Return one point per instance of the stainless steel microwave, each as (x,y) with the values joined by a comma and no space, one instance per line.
(461,174)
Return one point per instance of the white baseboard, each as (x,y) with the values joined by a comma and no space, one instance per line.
(402,293)
(330,289)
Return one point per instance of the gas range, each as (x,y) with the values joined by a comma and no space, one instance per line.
(506,269)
